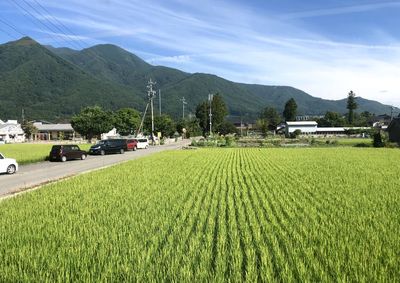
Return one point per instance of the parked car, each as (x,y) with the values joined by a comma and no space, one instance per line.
(66,152)
(8,165)
(142,143)
(131,144)
(109,146)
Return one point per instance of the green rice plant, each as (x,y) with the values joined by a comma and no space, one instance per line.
(213,215)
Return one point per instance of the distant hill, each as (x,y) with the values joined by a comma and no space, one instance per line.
(55,83)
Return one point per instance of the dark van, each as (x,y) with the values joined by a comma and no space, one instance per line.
(66,152)
(109,146)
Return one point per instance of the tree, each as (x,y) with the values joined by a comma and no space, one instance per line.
(92,121)
(163,124)
(270,119)
(191,126)
(290,111)
(332,119)
(226,128)
(351,106)
(218,110)
(29,129)
(202,112)
(126,121)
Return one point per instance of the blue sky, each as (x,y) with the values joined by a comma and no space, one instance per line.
(325,48)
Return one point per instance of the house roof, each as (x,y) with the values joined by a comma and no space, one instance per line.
(302,123)
(53,127)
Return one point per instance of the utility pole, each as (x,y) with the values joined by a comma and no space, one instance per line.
(23,115)
(159,100)
(210,99)
(151,94)
(183,107)
(241,124)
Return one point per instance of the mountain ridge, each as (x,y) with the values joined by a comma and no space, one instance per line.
(36,77)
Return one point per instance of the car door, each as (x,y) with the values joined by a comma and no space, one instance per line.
(74,152)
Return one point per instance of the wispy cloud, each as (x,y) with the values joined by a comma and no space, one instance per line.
(242,44)
(340,10)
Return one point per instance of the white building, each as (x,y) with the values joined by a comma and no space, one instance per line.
(11,132)
(306,127)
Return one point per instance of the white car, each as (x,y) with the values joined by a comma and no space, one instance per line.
(8,165)
(142,143)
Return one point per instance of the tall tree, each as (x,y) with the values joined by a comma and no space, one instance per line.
(351,106)
(290,111)
(126,121)
(92,121)
(202,116)
(218,110)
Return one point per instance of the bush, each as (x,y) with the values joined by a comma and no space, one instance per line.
(378,140)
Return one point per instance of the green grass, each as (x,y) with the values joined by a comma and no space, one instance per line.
(312,215)
(30,153)
(353,141)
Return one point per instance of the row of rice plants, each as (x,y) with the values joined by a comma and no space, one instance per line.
(213,215)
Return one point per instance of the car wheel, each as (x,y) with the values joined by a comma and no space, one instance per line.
(11,169)
(63,158)
(146,146)
(135,148)
(121,151)
(102,152)
(83,157)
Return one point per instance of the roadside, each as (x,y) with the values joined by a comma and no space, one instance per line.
(34,175)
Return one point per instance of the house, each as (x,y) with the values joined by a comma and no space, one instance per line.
(306,127)
(111,134)
(47,132)
(11,132)
(394,130)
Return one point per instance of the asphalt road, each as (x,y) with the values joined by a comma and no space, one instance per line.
(33,175)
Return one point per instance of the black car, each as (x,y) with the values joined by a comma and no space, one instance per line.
(109,146)
(66,152)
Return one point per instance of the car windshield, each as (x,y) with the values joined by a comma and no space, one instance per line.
(142,140)
(101,142)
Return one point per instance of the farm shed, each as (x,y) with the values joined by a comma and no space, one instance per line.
(306,127)
(394,130)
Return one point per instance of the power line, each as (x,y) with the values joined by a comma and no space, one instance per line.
(51,29)
(51,23)
(21,8)
(6,32)
(78,41)
(61,24)
(12,27)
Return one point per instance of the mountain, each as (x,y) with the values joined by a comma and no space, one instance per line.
(55,83)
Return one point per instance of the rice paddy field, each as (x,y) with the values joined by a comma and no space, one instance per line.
(270,215)
(26,153)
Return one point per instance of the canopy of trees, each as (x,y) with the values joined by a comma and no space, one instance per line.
(92,121)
